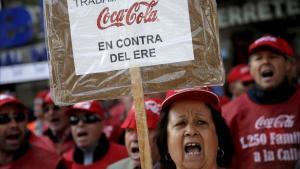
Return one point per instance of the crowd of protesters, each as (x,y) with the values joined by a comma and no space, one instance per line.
(188,129)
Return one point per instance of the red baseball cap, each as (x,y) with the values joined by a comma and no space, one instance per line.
(205,96)
(276,43)
(6,99)
(40,96)
(93,107)
(172,92)
(152,107)
(48,98)
(239,73)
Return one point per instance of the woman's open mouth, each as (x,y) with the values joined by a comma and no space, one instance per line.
(192,149)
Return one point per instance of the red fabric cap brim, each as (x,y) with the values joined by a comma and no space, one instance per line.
(192,94)
(242,78)
(13,102)
(246,78)
(271,45)
(130,122)
(74,110)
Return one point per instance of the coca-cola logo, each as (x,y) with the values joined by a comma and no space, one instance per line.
(139,12)
(153,106)
(83,105)
(281,121)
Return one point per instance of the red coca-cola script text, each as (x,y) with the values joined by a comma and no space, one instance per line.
(139,12)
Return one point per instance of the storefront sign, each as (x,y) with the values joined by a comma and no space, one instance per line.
(27,54)
(252,12)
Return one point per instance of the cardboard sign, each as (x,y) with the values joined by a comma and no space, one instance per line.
(92,44)
(110,35)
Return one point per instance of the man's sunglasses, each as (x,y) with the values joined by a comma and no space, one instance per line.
(7,117)
(247,83)
(88,119)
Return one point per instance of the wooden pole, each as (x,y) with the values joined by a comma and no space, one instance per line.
(141,118)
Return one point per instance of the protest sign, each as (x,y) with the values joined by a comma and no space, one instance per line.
(92,44)
(104,49)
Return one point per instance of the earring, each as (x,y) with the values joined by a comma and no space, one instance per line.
(221,152)
(167,157)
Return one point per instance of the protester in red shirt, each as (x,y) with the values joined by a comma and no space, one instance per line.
(15,150)
(58,126)
(152,109)
(38,126)
(265,121)
(93,150)
(191,133)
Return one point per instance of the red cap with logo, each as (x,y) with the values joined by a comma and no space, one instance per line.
(89,107)
(152,107)
(276,43)
(203,95)
(6,99)
(239,73)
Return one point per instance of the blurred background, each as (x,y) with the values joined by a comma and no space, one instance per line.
(23,56)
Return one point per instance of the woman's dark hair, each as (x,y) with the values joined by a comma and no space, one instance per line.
(223,133)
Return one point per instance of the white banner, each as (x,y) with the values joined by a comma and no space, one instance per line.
(111,35)
(24,72)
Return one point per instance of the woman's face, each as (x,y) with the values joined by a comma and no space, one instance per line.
(192,139)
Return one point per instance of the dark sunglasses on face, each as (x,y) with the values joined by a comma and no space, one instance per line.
(247,83)
(88,119)
(7,117)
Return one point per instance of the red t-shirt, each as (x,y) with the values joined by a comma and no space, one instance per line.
(47,144)
(34,158)
(265,136)
(115,153)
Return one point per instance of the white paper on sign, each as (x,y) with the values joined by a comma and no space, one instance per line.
(111,35)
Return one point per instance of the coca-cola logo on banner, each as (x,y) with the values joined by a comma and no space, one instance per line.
(139,12)
(281,121)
